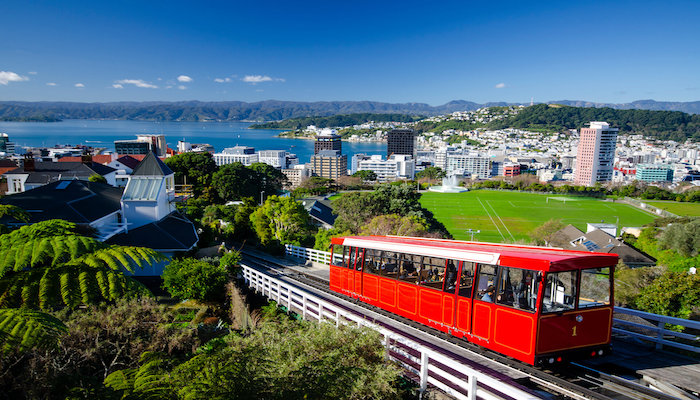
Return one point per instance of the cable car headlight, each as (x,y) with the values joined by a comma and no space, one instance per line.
(579,318)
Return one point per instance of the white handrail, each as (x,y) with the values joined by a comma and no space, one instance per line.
(658,329)
(425,365)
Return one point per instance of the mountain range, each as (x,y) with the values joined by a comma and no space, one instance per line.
(270,110)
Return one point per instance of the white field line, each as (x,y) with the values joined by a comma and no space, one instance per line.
(513,205)
(494,222)
(499,218)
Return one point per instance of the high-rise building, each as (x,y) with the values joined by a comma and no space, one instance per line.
(327,140)
(329,164)
(596,154)
(400,141)
(5,145)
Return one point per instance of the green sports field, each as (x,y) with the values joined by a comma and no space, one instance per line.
(504,216)
(678,208)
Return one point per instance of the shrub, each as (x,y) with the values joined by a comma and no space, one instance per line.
(231,261)
(189,278)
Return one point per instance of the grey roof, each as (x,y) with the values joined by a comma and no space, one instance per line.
(173,233)
(75,201)
(46,172)
(151,165)
(601,242)
(320,209)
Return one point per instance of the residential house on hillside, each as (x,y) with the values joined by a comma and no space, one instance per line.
(320,211)
(141,215)
(597,240)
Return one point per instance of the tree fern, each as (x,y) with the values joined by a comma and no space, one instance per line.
(149,381)
(21,329)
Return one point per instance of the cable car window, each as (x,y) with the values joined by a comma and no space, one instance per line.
(360,259)
(409,268)
(351,257)
(433,272)
(451,276)
(595,287)
(518,288)
(486,283)
(338,255)
(466,281)
(559,291)
(389,266)
(372,261)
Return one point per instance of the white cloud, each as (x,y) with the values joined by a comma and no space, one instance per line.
(184,79)
(50,83)
(32,72)
(222,80)
(7,77)
(254,79)
(182,87)
(136,82)
(500,85)
(79,85)
(118,86)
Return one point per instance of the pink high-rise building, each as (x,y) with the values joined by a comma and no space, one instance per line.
(596,154)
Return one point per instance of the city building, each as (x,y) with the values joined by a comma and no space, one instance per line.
(400,141)
(242,154)
(296,175)
(472,165)
(654,173)
(132,146)
(327,140)
(396,167)
(5,145)
(596,154)
(275,158)
(329,164)
(185,147)
(143,144)
(511,169)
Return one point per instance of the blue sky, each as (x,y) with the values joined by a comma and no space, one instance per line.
(409,51)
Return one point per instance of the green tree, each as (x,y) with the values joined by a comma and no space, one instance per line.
(432,173)
(235,181)
(366,175)
(682,237)
(271,179)
(315,185)
(324,236)
(97,178)
(189,278)
(48,264)
(392,224)
(22,329)
(542,235)
(674,294)
(281,219)
(281,359)
(193,168)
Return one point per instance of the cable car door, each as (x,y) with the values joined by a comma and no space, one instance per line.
(483,308)
(463,300)
(357,273)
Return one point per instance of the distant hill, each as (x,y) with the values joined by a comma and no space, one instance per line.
(270,110)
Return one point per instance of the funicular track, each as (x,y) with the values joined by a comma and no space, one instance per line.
(574,381)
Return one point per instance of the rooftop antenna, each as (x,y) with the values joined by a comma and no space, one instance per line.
(532,101)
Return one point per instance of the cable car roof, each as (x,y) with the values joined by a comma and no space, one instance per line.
(548,259)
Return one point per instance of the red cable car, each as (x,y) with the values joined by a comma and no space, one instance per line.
(536,304)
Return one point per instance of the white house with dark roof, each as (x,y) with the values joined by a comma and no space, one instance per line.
(34,174)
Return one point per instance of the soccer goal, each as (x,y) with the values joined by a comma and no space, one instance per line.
(561,199)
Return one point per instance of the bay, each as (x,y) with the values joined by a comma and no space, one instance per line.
(103,133)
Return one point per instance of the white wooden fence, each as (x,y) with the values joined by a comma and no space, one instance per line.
(429,365)
(655,333)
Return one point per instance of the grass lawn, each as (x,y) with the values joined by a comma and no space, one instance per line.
(504,216)
(678,208)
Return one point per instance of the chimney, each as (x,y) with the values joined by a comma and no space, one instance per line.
(86,158)
(29,163)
